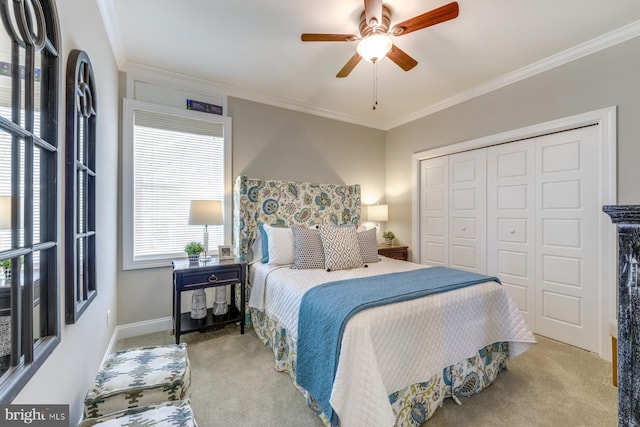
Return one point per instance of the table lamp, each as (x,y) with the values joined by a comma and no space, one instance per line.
(378,213)
(205,212)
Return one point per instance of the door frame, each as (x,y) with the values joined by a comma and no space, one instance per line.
(606,118)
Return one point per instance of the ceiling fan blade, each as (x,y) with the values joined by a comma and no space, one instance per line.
(401,58)
(312,37)
(433,17)
(373,11)
(349,66)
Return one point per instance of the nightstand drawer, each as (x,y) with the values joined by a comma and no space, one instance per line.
(395,252)
(197,279)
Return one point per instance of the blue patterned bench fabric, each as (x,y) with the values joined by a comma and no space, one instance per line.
(139,376)
(176,413)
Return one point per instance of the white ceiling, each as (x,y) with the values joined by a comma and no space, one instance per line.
(253,48)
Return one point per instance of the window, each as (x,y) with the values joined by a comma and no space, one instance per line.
(80,184)
(29,309)
(171,156)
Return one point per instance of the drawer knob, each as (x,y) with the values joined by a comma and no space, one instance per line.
(213,278)
(512,231)
(464,228)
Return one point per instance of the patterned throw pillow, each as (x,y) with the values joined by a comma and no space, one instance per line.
(341,248)
(368,241)
(307,248)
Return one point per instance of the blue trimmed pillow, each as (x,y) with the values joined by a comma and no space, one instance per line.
(265,243)
(279,244)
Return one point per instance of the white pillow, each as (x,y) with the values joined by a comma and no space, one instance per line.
(280,244)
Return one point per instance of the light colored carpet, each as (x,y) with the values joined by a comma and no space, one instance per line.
(234,383)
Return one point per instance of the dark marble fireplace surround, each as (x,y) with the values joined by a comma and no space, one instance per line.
(627,218)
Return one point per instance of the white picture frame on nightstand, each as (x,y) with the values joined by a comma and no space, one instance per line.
(225,252)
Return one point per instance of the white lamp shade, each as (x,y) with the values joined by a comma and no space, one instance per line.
(5,212)
(205,212)
(378,213)
(374,47)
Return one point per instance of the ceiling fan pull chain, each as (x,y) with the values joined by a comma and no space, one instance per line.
(375,84)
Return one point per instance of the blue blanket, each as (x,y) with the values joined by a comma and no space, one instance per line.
(325,310)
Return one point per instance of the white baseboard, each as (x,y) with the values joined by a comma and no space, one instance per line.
(138,328)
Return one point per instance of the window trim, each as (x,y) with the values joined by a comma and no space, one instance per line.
(81,106)
(128,111)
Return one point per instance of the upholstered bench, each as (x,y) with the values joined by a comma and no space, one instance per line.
(137,377)
(176,413)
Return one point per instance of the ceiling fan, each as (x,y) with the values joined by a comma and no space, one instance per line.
(375,34)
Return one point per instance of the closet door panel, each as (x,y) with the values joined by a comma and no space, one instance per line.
(566,242)
(467,210)
(511,222)
(434,211)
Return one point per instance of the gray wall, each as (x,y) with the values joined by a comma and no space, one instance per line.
(603,79)
(275,143)
(272,143)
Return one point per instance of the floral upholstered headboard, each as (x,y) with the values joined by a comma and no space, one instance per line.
(286,203)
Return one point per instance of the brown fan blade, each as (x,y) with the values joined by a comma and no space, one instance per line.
(311,37)
(403,60)
(373,12)
(433,17)
(349,66)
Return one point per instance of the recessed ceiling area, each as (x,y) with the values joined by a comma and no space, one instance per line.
(253,49)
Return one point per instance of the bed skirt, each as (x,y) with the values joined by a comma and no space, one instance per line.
(412,405)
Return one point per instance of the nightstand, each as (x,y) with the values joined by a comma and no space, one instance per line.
(394,251)
(210,274)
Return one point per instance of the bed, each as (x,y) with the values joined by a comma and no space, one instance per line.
(395,363)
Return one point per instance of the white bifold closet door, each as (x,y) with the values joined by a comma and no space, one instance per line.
(434,211)
(453,211)
(526,212)
(567,235)
(511,225)
(543,231)
(468,211)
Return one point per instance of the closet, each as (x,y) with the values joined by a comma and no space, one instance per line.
(527,212)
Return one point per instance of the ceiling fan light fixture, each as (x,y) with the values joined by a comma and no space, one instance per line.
(374,47)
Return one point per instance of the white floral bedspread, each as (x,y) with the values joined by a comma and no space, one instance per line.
(390,347)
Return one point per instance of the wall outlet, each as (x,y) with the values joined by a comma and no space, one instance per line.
(108,317)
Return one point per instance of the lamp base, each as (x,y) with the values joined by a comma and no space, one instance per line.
(199,304)
(220,305)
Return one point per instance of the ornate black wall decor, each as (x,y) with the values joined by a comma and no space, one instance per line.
(80,182)
(628,220)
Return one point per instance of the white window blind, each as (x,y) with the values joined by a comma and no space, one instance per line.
(175,159)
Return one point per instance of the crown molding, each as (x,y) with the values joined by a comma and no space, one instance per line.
(219,89)
(599,43)
(113,32)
